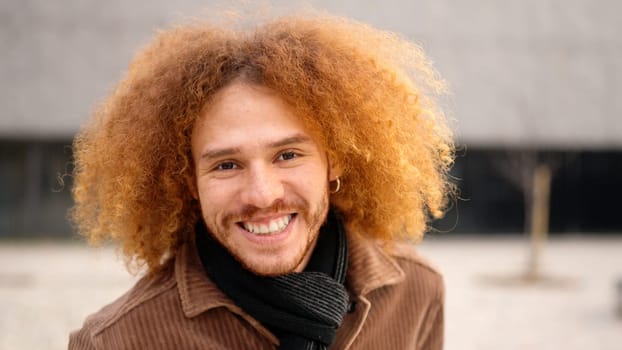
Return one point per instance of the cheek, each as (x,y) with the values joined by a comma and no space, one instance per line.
(213,197)
(312,182)
(320,174)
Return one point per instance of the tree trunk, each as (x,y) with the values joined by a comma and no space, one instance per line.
(539,216)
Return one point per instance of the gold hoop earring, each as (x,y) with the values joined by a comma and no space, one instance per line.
(338,186)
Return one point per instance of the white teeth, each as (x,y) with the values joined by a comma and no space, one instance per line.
(282,222)
(274,226)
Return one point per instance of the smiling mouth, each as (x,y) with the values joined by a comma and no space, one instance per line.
(273,226)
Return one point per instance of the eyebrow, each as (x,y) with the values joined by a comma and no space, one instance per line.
(217,153)
(298,138)
(223,152)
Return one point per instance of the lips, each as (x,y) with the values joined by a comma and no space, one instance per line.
(267,227)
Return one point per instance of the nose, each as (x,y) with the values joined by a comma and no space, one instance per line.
(263,187)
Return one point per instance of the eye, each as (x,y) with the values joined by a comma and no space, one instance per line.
(226,166)
(289,155)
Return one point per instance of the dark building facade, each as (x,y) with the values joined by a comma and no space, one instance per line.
(35,191)
(527,78)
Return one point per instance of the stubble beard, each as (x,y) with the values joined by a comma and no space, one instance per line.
(314,219)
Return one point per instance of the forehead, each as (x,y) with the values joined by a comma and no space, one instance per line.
(244,115)
(244,102)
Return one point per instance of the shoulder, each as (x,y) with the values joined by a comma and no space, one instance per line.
(407,253)
(394,264)
(402,292)
(418,270)
(148,290)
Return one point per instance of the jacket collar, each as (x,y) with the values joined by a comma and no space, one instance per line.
(199,294)
(369,268)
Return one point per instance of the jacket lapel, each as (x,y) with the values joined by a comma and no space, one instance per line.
(369,268)
(199,294)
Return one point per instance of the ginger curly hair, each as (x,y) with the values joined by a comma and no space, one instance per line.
(370,95)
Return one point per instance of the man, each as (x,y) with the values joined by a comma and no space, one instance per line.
(271,182)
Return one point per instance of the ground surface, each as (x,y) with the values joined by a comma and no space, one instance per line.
(47,289)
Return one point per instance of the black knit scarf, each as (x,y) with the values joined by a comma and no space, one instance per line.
(302,309)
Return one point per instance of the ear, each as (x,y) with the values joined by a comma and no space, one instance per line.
(192,187)
(335,168)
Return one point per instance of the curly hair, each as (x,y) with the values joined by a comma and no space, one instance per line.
(370,95)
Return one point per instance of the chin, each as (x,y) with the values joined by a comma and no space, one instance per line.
(278,268)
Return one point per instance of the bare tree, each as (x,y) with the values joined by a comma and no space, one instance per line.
(531,172)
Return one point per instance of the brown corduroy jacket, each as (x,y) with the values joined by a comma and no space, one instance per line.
(396,303)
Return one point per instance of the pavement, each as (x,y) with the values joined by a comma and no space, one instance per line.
(48,288)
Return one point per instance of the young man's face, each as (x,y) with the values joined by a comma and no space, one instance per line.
(261,179)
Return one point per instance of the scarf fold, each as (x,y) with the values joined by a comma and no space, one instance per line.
(305,309)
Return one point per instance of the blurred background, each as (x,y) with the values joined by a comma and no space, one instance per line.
(532,250)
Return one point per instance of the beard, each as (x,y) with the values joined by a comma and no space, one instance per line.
(311,216)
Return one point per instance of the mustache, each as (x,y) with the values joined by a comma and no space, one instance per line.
(279,206)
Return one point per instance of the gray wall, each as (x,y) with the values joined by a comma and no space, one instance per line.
(523,73)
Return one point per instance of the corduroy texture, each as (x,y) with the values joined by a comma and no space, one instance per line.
(398,305)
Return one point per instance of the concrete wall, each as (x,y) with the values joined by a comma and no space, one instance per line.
(526,72)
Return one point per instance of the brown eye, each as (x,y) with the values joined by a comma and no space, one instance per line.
(287,155)
(226,166)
